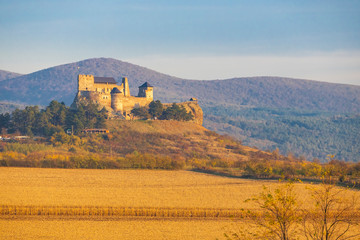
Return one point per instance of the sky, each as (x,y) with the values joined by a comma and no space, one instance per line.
(195,39)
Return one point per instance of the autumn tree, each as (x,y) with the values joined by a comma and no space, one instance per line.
(278,217)
(333,216)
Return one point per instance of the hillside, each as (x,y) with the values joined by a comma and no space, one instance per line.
(304,133)
(240,107)
(8,75)
(59,83)
(133,144)
(10,106)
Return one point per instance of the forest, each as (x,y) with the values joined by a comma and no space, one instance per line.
(55,118)
(308,134)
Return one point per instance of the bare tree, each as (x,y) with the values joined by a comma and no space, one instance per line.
(333,215)
(279,212)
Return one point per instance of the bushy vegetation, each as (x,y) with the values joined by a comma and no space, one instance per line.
(149,145)
(54,119)
(156,110)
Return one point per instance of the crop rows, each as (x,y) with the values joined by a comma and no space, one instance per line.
(97,211)
(11,210)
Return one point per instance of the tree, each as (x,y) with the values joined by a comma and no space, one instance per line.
(156,109)
(279,213)
(176,112)
(4,120)
(141,112)
(60,138)
(25,120)
(333,215)
(57,113)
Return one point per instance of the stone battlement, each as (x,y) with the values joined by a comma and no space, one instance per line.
(108,93)
(116,98)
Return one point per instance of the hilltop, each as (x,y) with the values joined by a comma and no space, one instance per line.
(8,75)
(132,144)
(307,118)
(59,83)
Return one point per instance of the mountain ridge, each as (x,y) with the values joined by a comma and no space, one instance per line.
(293,115)
(4,75)
(59,83)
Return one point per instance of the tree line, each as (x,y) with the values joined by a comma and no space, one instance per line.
(156,110)
(55,118)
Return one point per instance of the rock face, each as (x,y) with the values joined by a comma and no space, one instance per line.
(194,108)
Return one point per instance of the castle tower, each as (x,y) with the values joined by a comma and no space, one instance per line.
(85,82)
(116,100)
(126,87)
(146,90)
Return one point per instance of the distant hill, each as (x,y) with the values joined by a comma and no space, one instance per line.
(241,107)
(8,75)
(10,107)
(59,83)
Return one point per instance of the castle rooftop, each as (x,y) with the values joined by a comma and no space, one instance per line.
(146,84)
(104,80)
(115,90)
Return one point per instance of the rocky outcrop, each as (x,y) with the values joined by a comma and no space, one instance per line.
(194,108)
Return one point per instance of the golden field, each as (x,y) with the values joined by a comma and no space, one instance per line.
(115,229)
(125,188)
(80,201)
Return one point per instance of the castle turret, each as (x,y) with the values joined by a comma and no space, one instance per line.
(85,82)
(126,87)
(117,100)
(146,90)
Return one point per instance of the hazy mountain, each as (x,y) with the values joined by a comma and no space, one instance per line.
(59,83)
(10,107)
(8,75)
(267,112)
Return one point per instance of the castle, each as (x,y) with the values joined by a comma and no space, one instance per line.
(117,100)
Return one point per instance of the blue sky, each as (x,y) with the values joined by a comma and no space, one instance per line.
(318,40)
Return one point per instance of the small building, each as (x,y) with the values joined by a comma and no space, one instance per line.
(19,138)
(95,130)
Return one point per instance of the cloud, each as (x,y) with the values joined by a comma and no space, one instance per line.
(338,67)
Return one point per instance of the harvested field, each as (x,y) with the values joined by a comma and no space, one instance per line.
(140,229)
(125,204)
(123,188)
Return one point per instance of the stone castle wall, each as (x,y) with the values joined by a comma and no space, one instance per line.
(105,87)
(97,97)
(129,103)
(120,102)
(86,83)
